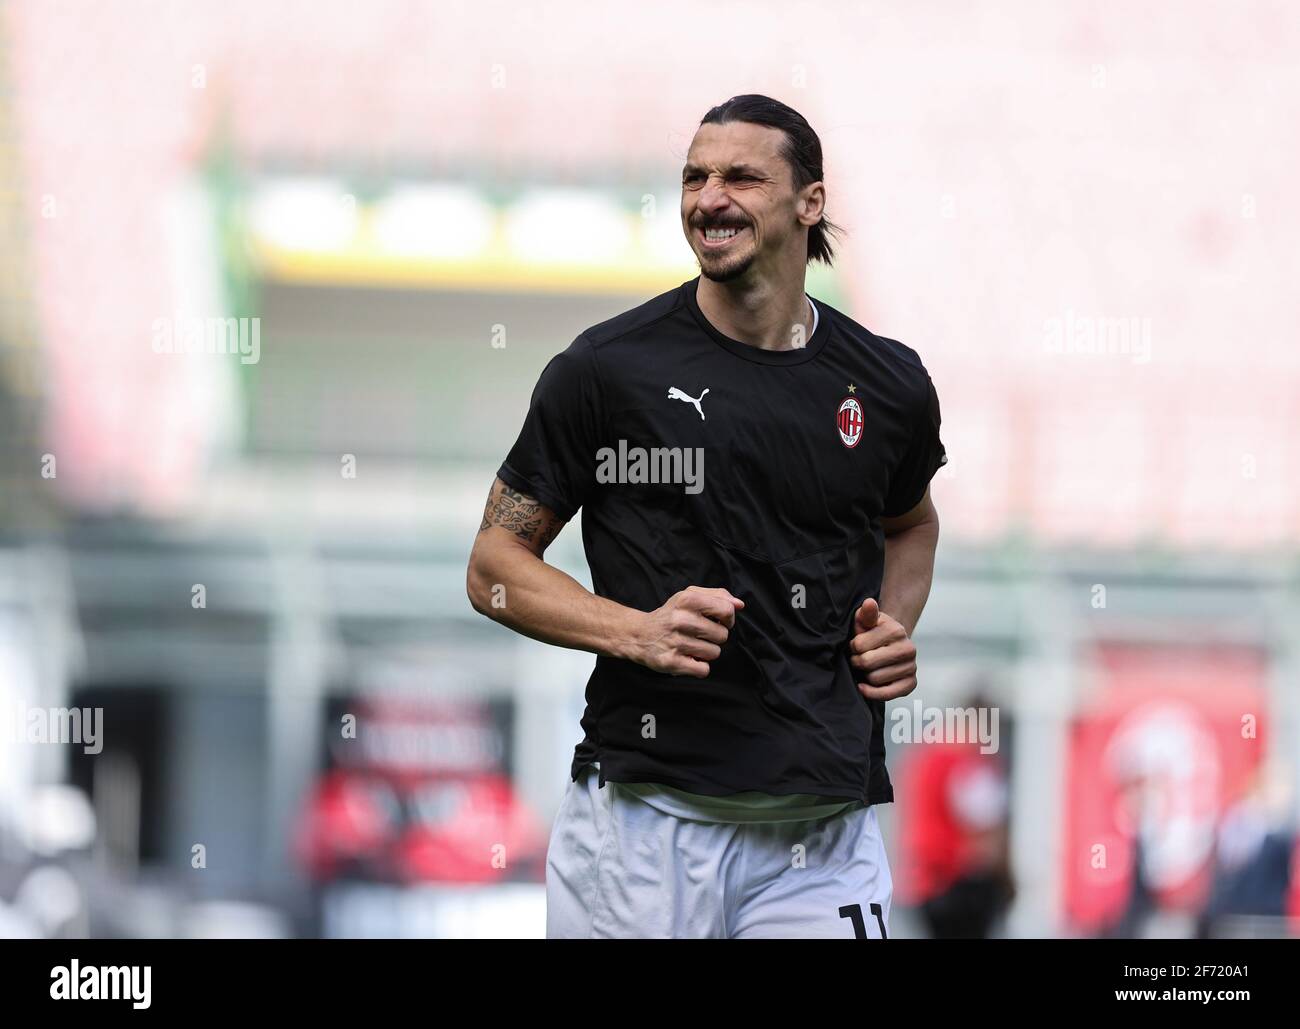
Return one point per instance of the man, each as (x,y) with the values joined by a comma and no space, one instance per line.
(954,837)
(752,612)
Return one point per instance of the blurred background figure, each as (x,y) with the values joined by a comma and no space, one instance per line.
(1253,861)
(276,283)
(955,860)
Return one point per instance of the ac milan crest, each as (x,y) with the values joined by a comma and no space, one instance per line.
(849,421)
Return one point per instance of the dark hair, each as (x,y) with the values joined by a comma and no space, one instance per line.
(802,150)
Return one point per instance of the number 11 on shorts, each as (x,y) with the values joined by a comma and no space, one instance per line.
(854,911)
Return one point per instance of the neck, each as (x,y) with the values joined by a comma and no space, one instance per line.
(770,314)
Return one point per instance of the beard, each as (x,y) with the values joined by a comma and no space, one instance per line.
(726,269)
(722,267)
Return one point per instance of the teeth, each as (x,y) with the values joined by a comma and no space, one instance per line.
(719,233)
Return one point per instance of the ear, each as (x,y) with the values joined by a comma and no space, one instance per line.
(812,203)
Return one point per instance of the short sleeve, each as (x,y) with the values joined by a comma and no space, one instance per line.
(554,458)
(924,456)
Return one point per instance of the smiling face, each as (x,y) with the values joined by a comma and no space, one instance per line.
(740,208)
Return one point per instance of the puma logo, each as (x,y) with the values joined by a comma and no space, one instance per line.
(675,394)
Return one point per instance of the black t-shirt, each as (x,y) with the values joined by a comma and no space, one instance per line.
(803,451)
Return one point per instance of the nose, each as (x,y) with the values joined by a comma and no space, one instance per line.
(713,196)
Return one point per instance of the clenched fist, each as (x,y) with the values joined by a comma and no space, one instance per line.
(882,650)
(688,632)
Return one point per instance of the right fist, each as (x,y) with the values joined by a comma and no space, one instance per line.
(688,632)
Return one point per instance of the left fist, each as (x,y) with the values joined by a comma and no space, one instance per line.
(882,650)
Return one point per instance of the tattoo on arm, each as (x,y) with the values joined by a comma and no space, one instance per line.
(531,521)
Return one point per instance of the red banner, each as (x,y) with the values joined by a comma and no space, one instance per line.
(1174,736)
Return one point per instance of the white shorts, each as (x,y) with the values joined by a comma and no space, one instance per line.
(619,868)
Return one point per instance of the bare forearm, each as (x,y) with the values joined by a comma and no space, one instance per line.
(510,583)
(512,586)
(909,571)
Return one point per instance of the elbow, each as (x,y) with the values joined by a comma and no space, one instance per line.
(478,586)
(493,563)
